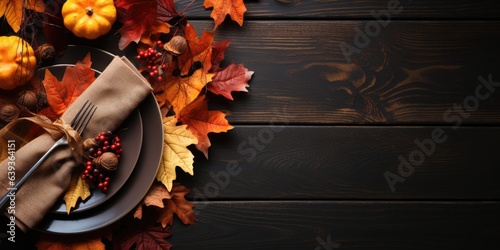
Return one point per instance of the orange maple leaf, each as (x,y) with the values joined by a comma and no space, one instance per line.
(13,11)
(60,94)
(198,50)
(221,8)
(76,242)
(181,91)
(200,121)
(177,205)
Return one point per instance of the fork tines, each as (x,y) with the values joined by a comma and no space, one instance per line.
(82,118)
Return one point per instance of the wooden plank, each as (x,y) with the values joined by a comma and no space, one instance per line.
(348,162)
(345,224)
(342,9)
(411,72)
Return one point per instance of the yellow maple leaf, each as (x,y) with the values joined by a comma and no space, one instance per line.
(78,188)
(181,91)
(13,10)
(175,151)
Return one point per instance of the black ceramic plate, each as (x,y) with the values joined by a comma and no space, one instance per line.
(130,194)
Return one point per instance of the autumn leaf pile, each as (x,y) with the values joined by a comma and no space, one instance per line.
(181,82)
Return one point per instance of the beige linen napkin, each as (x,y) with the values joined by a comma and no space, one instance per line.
(116,93)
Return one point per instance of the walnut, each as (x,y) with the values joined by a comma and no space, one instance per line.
(108,161)
(8,113)
(176,46)
(28,99)
(45,53)
(42,100)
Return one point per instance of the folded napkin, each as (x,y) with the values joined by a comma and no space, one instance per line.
(116,93)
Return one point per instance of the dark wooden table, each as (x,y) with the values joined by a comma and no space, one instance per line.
(369,125)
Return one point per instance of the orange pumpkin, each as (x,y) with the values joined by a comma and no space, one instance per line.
(89,19)
(17,62)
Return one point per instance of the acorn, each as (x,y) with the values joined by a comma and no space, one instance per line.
(108,161)
(8,113)
(28,99)
(176,46)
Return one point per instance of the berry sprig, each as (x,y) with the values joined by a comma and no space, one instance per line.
(153,61)
(104,156)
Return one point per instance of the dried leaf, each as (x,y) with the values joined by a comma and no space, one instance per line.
(218,49)
(78,188)
(235,77)
(198,50)
(181,91)
(151,238)
(221,8)
(141,19)
(91,241)
(200,122)
(177,205)
(155,196)
(13,11)
(175,151)
(60,94)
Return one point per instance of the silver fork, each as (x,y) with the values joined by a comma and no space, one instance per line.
(79,123)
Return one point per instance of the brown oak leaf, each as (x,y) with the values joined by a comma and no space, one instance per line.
(200,121)
(234,77)
(177,205)
(221,8)
(60,94)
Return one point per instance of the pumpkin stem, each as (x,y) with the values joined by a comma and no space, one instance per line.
(89,11)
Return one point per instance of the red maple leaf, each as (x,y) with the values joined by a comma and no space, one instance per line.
(234,77)
(143,18)
(218,49)
(201,121)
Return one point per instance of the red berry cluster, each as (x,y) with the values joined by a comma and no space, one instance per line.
(94,172)
(153,61)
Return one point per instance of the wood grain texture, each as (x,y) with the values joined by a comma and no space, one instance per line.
(348,162)
(347,9)
(353,225)
(412,72)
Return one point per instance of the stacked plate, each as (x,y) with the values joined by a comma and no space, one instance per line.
(142,141)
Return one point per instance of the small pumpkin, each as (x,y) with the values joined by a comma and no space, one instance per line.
(17,62)
(89,19)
